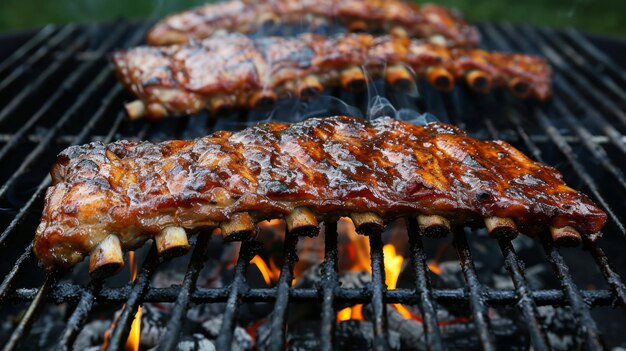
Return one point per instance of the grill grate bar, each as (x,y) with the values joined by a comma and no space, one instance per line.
(598,152)
(29,317)
(378,289)
(35,86)
(278,339)
(614,136)
(79,316)
(585,177)
(36,40)
(526,303)
(73,79)
(567,70)
(169,341)
(120,332)
(224,340)
(423,288)
(61,293)
(567,150)
(592,72)
(44,50)
(579,307)
(9,279)
(476,298)
(329,286)
(596,54)
(614,280)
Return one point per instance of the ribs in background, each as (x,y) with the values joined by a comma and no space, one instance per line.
(237,71)
(106,198)
(434,23)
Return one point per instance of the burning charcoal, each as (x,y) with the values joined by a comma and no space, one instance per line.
(560,327)
(359,335)
(411,331)
(304,336)
(91,335)
(355,280)
(241,339)
(153,325)
(196,342)
(45,330)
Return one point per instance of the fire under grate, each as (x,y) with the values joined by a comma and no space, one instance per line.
(58,89)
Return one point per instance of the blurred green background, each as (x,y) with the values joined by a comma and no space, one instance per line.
(600,16)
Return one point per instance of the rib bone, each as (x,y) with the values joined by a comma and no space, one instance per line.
(172,241)
(353,79)
(565,236)
(107,258)
(433,225)
(501,227)
(302,221)
(239,227)
(367,223)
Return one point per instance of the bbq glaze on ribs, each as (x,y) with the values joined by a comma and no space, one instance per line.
(432,22)
(237,71)
(319,169)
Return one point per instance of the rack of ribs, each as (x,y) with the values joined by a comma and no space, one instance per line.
(237,71)
(109,198)
(431,22)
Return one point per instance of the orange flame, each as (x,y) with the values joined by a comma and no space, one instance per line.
(132,343)
(270,273)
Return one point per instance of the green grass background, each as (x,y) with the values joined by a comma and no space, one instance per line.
(600,16)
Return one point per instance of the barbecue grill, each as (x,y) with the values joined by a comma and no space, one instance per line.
(58,89)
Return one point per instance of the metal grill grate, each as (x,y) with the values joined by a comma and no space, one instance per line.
(57,89)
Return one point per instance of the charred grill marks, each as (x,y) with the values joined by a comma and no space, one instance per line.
(108,197)
(432,22)
(237,71)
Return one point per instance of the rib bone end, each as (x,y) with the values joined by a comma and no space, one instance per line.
(434,226)
(501,227)
(310,87)
(353,79)
(519,88)
(302,221)
(441,79)
(399,77)
(479,81)
(239,227)
(566,236)
(135,110)
(107,258)
(263,100)
(171,242)
(368,223)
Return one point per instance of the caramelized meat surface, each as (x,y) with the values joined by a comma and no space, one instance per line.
(429,21)
(334,166)
(237,71)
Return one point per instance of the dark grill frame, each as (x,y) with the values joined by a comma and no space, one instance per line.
(572,56)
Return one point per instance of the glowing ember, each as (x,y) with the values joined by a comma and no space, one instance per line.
(132,343)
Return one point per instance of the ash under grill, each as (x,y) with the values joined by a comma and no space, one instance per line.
(57,88)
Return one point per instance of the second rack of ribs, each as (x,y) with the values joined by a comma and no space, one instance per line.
(237,71)
(331,167)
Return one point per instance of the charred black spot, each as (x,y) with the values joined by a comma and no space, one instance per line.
(265,103)
(402,84)
(357,85)
(483,195)
(309,93)
(521,87)
(481,83)
(443,82)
